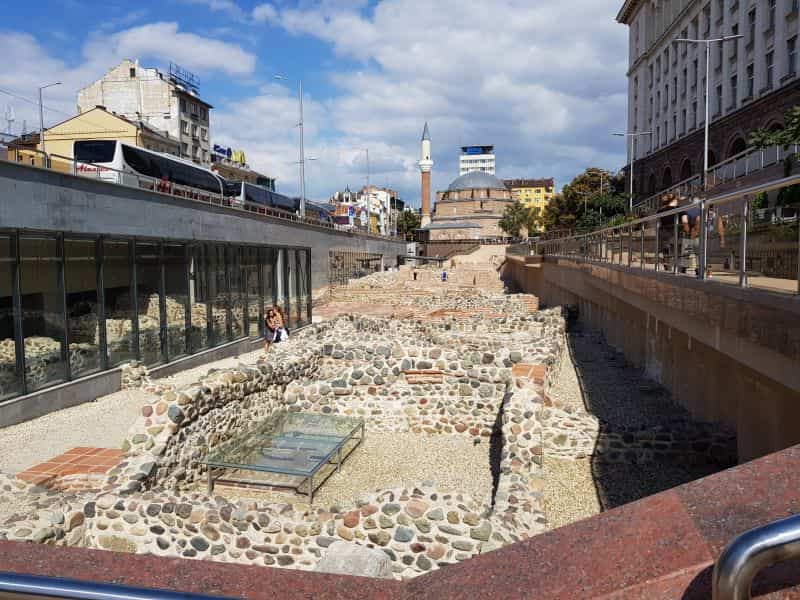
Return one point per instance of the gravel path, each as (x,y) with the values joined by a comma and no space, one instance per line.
(103,423)
(594,377)
(388,460)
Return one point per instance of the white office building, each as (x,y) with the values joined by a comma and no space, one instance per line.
(476,158)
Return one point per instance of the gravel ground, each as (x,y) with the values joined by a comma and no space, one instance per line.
(569,491)
(593,376)
(388,460)
(103,423)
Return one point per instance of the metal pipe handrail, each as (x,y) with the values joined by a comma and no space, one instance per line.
(655,197)
(196,194)
(38,586)
(750,553)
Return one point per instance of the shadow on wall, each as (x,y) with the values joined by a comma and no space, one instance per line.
(646,442)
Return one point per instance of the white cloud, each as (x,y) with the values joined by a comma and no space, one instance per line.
(265,13)
(165,41)
(543,81)
(226,6)
(31,65)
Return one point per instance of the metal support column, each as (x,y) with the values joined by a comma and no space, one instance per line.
(675,246)
(309,289)
(62,288)
(16,291)
(188,268)
(641,256)
(658,243)
(100,259)
(162,306)
(227,255)
(630,246)
(297,272)
(262,258)
(701,260)
(133,262)
(743,242)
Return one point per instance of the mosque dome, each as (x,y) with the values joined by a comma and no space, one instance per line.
(476,180)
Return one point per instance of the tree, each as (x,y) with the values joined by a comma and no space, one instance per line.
(517,217)
(588,201)
(789,134)
(407,222)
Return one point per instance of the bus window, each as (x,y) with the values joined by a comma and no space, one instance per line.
(95,151)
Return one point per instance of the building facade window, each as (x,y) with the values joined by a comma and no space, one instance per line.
(769,61)
(734,90)
(183,105)
(751,80)
(791,55)
(751,23)
(719,99)
(184,126)
(771,16)
(203,134)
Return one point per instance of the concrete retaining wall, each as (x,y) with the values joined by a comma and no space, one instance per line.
(32,198)
(727,354)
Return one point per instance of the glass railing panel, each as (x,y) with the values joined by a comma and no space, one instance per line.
(773,241)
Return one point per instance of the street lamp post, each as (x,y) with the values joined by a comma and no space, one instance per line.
(708,43)
(302,161)
(41,112)
(631,136)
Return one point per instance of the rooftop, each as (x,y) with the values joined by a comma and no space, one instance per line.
(476,180)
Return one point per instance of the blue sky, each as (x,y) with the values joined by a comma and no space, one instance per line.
(542,81)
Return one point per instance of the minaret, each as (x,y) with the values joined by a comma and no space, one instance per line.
(425,166)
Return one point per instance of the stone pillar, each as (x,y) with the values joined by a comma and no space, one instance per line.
(426,198)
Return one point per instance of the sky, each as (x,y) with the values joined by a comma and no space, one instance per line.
(542,81)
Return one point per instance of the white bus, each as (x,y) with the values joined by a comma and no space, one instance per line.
(113,161)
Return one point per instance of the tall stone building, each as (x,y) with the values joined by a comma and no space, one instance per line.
(753,80)
(425,166)
(167,102)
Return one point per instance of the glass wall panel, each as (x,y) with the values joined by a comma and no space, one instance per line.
(83,309)
(10,376)
(302,280)
(42,311)
(253,289)
(280,277)
(219,293)
(176,297)
(118,283)
(148,283)
(200,298)
(237,295)
(291,309)
(268,258)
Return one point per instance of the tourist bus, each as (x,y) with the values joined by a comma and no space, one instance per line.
(117,162)
(257,198)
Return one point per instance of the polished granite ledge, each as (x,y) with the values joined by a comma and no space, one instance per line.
(661,547)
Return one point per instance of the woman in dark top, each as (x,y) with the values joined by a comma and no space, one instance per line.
(275,327)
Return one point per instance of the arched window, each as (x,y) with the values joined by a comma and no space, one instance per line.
(738,145)
(651,184)
(686,169)
(666,180)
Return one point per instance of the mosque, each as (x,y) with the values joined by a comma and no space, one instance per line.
(469,209)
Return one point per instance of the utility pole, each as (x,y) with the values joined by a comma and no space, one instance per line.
(632,149)
(41,112)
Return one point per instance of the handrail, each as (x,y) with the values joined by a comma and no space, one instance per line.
(609,244)
(649,202)
(38,586)
(158,186)
(750,553)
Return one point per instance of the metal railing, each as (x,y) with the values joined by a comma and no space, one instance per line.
(752,552)
(13,585)
(742,164)
(69,165)
(729,237)
(683,189)
(749,161)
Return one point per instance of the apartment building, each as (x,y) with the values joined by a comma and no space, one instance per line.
(476,158)
(752,81)
(166,101)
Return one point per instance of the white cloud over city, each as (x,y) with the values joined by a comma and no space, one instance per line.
(542,81)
